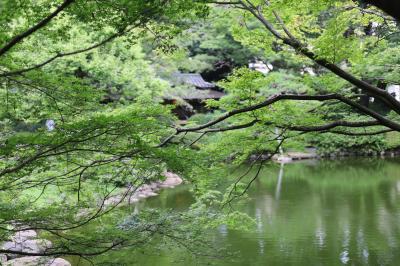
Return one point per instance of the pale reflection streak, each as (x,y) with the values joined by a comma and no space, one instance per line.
(344,255)
(320,233)
(223,230)
(260,231)
(279,186)
(362,246)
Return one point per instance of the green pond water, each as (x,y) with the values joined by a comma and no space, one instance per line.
(344,212)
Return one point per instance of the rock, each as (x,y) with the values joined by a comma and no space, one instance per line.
(22,236)
(301,155)
(284,159)
(151,194)
(26,241)
(27,261)
(35,261)
(133,199)
(155,186)
(146,190)
(172,180)
(60,262)
(114,200)
(145,194)
(145,187)
(140,195)
(28,245)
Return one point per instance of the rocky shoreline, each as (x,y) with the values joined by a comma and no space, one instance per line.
(146,191)
(309,154)
(28,241)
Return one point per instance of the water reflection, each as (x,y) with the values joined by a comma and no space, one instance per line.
(308,213)
(326,213)
(278,187)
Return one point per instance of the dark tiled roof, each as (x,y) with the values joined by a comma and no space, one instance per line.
(195,94)
(193,79)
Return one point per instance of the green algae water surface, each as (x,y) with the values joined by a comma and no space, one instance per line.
(344,212)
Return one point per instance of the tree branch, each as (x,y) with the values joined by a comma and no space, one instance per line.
(302,49)
(60,55)
(34,28)
(347,133)
(333,125)
(380,120)
(392,7)
(282,96)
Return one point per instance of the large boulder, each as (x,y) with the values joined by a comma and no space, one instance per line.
(21,236)
(172,180)
(59,262)
(3,259)
(25,241)
(35,261)
(145,191)
(27,245)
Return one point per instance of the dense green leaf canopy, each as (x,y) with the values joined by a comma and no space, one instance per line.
(98,71)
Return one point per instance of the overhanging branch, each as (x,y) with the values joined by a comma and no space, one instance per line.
(282,96)
(334,124)
(60,55)
(34,28)
(379,119)
(291,41)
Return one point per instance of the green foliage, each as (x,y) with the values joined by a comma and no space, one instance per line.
(333,143)
(109,120)
(60,180)
(392,140)
(203,44)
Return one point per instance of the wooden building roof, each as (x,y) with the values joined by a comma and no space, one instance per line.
(197,89)
(195,94)
(193,79)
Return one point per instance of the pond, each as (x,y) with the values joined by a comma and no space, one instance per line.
(344,212)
